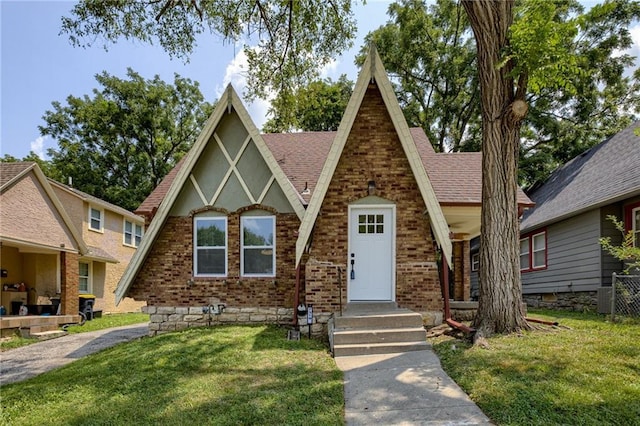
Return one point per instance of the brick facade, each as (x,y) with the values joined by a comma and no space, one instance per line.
(373,151)
(166,279)
(461,270)
(69,281)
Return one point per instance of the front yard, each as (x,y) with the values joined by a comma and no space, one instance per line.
(588,375)
(224,375)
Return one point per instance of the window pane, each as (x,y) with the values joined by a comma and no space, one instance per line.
(379,229)
(127,238)
(211,233)
(128,227)
(211,261)
(83,270)
(362,229)
(258,231)
(524,261)
(380,218)
(84,285)
(538,259)
(258,261)
(538,242)
(362,218)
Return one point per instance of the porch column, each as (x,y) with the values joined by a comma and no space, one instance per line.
(461,268)
(69,283)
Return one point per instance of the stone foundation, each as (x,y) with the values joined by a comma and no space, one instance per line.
(575,301)
(164,319)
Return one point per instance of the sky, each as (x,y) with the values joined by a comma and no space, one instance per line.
(39,66)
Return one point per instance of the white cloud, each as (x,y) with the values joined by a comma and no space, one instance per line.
(236,75)
(38,146)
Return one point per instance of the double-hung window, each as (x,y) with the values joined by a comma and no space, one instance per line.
(95,219)
(533,251)
(132,234)
(84,276)
(258,246)
(210,246)
(475,262)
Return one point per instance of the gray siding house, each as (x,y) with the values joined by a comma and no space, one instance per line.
(561,261)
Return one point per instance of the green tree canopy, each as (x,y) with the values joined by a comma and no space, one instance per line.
(118,143)
(316,107)
(294,39)
(580,87)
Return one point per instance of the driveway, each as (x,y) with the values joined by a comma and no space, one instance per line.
(29,361)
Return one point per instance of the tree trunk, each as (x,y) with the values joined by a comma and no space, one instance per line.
(499,308)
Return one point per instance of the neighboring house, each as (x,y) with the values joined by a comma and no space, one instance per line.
(562,263)
(61,243)
(264,223)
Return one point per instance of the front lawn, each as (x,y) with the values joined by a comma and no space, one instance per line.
(226,375)
(588,375)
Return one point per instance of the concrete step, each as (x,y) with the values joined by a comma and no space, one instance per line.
(46,335)
(378,335)
(398,319)
(40,328)
(379,348)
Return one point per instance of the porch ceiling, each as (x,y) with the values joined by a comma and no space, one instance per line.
(463,219)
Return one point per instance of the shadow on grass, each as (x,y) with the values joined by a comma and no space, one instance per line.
(224,375)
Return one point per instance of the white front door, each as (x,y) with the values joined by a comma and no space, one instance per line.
(371,257)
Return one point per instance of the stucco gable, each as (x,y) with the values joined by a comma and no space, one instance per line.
(229,166)
(373,70)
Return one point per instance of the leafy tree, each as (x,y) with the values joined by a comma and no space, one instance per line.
(44,165)
(295,39)
(120,142)
(318,106)
(628,251)
(431,56)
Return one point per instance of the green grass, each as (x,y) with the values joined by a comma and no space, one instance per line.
(106,321)
(588,375)
(227,375)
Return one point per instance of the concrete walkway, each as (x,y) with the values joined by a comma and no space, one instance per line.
(404,389)
(29,361)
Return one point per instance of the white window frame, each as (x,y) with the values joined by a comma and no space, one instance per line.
(533,250)
(196,248)
(89,289)
(100,219)
(475,262)
(243,247)
(136,233)
(527,253)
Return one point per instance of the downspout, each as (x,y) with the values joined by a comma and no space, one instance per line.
(296,297)
(447,309)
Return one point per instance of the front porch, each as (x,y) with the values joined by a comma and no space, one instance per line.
(38,326)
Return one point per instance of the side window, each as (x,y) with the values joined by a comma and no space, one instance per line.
(131,234)
(635,226)
(210,246)
(95,219)
(524,254)
(475,262)
(258,246)
(84,284)
(539,252)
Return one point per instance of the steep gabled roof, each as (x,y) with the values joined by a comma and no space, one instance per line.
(606,173)
(374,70)
(11,173)
(230,100)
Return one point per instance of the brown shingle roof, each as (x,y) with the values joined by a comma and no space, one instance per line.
(456,177)
(9,171)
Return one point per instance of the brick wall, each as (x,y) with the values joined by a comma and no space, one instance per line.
(69,281)
(373,152)
(461,270)
(163,280)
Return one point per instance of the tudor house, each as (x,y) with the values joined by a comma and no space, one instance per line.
(262,224)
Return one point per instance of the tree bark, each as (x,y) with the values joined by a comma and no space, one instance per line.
(499,308)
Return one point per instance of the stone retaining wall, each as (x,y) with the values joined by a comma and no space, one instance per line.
(575,301)
(164,319)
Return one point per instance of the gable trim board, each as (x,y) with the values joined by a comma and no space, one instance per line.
(228,101)
(82,248)
(372,70)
